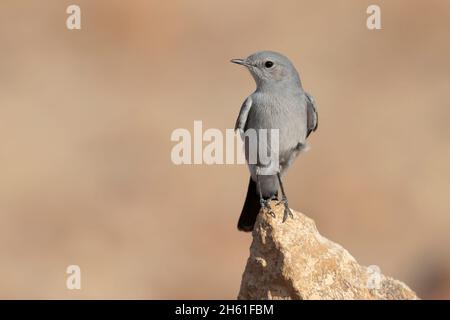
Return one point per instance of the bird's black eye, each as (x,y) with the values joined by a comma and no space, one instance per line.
(268,64)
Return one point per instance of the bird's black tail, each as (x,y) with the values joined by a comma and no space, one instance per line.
(250,210)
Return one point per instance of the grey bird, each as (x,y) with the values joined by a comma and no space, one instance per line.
(279,102)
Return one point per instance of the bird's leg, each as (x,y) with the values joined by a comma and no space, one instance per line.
(264,203)
(287,211)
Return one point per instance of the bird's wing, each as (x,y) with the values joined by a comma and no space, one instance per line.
(312,115)
(243,114)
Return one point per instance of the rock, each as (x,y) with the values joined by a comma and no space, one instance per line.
(291,260)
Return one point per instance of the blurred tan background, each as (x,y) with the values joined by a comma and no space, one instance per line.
(86,118)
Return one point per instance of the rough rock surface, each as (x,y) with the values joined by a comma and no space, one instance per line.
(291,260)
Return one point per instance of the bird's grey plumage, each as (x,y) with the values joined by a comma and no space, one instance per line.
(313,119)
(279,102)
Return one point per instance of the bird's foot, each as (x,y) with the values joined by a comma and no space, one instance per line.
(265,204)
(287,211)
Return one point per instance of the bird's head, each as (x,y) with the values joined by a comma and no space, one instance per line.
(270,68)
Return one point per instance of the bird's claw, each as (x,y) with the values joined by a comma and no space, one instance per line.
(287,211)
(266,205)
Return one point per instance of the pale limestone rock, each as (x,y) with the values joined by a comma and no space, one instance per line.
(291,260)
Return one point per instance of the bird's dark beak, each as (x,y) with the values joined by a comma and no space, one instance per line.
(239,61)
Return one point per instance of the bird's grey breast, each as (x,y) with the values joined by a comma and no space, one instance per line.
(285,112)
